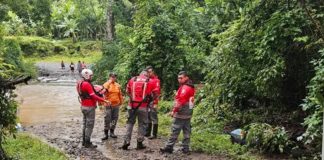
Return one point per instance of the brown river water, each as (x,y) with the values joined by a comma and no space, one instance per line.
(41,103)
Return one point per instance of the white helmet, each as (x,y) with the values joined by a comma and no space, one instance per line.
(86,74)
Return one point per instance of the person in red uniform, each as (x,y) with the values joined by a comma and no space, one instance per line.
(140,90)
(153,106)
(89,99)
(181,113)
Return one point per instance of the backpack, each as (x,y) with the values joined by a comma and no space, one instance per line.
(139,88)
(85,95)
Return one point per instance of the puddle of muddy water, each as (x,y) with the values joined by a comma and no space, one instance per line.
(47,103)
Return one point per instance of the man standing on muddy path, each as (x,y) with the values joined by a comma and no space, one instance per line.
(88,97)
(153,106)
(181,113)
(114,95)
(140,90)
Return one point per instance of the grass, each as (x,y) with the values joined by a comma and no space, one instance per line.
(26,147)
(36,49)
(212,143)
(92,57)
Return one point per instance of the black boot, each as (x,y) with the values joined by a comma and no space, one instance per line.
(83,141)
(106,135)
(166,149)
(148,130)
(185,150)
(112,134)
(155,130)
(140,145)
(88,144)
(125,146)
(83,137)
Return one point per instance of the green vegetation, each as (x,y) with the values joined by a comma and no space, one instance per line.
(25,147)
(202,140)
(38,48)
(260,62)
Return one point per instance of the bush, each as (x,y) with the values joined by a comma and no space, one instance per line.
(218,144)
(106,64)
(36,46)
(314,104)
(12,54)
(266,138)
(165,106)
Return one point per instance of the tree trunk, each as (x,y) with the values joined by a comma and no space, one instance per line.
(110,25)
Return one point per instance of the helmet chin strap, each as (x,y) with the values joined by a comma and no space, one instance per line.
(89,80)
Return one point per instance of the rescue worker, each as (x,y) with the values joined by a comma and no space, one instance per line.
(114,95)
(88,98)
(140,90)
(153,106)
(181,113)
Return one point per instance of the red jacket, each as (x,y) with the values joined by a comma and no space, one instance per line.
(184,101)
(87,89)
(157,89)
(149,90)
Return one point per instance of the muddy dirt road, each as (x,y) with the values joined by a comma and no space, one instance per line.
(52,112)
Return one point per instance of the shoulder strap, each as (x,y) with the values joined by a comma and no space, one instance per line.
(79,88)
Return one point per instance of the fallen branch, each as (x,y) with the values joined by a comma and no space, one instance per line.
(10,84)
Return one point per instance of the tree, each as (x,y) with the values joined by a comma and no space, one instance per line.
(110,25)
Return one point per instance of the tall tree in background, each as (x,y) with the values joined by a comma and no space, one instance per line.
(110,25)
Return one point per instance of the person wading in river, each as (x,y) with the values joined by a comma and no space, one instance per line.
(153,106)
(140,91)
(181,113)
(114,95)
(88,97)
(79,67)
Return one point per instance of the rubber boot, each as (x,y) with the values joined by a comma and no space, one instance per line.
(106,135)
(166,149)
(83,142)
(148,130)
(185,151)
(125,146)
(88,144)
(140,145)
(112,134)
(83,136)
(155,130)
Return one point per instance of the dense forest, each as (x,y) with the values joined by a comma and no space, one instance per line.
(260,62)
